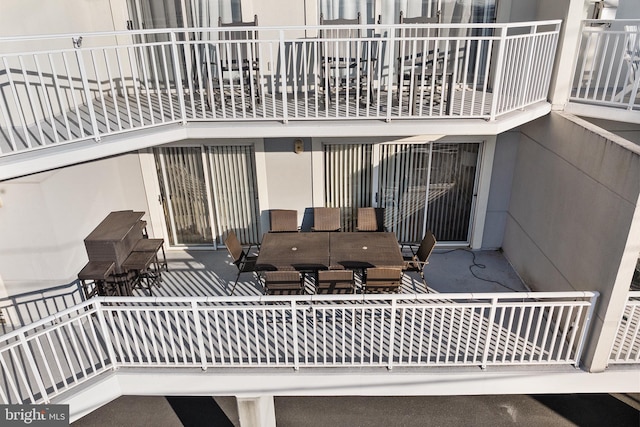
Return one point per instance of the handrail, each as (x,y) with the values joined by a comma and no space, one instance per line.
(278,28)
(625,348)
(59,352)
(606,72)
(313,298)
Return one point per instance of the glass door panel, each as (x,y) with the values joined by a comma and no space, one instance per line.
(235,195)
(184,195)
(402,189)
(452,190)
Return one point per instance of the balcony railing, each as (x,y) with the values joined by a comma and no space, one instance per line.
(626,347)
(65,88)
(607,71)
(43,360)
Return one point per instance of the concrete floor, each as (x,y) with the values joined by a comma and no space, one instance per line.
(489,410)
(205,273)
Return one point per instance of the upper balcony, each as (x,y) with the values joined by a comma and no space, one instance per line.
(607,71)
(74,90)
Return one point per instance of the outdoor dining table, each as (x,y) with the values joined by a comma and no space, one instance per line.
(323,250)
(294,251)
(361,250)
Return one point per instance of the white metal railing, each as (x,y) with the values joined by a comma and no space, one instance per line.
(64,88)
(607,70)
(626,347)
(55,354)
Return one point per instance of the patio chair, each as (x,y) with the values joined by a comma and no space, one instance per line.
(632,59)
(370,219)
(344,64)
(241,259)
(419,258)
(418,64)
(283,220)
(236,64)
(335,282)
(382,280)
(326,219)
(283,283)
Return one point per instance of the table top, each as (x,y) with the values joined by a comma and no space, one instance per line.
(294,251)
(365,250)
(321,250)
(115,226)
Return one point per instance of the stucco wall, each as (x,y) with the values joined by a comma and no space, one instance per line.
(572,213)
(32,17)
(45,217)
(500,189)
(291,172)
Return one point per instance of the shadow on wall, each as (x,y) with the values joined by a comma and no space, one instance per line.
(20,310)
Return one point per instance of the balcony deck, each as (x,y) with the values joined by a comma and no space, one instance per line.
(53,96)
(152,110)
(200,273)
(481,320)
(207,273)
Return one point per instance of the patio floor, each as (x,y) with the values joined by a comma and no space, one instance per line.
(211,273)
(207,273)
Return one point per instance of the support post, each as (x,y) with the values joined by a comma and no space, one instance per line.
(256,411)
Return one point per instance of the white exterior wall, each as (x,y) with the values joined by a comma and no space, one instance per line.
(500,189)
(573,217)
(33,17)
(45,217)
(289,178)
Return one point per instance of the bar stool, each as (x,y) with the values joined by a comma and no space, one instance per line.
(98,273)
(140,264)
(153,245)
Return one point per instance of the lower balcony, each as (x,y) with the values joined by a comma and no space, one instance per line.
(476,313)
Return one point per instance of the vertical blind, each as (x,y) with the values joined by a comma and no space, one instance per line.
(184,195)
(195,188)
(348,179)
(421,186)
(233,182)
(403,178)
(452,190)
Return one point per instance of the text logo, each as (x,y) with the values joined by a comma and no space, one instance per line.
(34,415)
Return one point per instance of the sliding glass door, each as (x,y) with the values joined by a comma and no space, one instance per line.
(184,194)
(206,192)
(403,178)
(421,186)
(452,189)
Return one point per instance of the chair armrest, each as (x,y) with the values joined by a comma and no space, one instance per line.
(412,246)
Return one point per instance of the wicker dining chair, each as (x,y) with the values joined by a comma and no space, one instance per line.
(283,283)
(326,219)
(382,280)
(283,220)
(418,258)
(335,282)
(241,259)
(370,219)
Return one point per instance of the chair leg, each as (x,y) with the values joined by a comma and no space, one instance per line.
(424,281)
(233,288)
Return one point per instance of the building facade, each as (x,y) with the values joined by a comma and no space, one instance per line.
(514,127)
